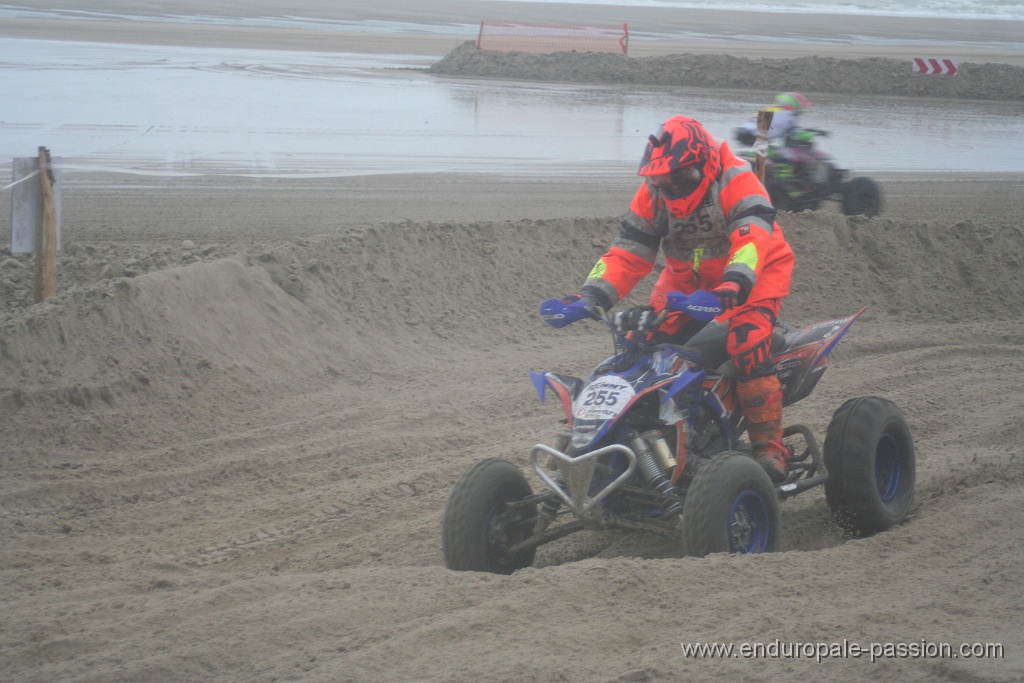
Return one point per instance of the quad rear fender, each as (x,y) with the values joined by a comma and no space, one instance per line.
(827,334)
(801,365)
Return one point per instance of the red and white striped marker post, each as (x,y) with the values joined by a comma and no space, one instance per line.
(941,67)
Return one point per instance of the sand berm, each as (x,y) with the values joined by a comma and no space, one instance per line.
(875,76)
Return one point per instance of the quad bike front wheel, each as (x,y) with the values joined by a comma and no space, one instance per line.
(861,197)
(731,506)
(479,524)
(869,454)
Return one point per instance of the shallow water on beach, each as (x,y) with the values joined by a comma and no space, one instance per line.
(172,110)
(905,8)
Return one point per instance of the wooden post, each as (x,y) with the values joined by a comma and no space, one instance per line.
(764,122)
(46,234)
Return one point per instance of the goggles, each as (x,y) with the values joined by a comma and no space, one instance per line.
(679,183)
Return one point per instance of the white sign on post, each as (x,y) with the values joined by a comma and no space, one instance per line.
(27,203)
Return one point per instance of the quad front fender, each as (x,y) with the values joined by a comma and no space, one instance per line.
(689,380)
(566,387)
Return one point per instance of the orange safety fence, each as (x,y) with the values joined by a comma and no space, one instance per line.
(508,36)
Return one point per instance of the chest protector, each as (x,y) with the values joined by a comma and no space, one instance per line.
(704,234)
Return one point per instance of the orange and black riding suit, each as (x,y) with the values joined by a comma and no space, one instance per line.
(730,235)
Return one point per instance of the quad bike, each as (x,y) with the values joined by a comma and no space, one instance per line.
(653,444)
(810,176)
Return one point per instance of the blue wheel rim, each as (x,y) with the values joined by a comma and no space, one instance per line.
(749,523)
(888,467)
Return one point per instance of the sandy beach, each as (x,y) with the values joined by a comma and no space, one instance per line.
(719,31)
(226,444)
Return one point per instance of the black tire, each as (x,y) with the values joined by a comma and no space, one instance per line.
(476,529)
(869,454)
(780,199)
(731,506)
(861,197)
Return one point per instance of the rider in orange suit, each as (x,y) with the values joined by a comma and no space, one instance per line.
(704,208)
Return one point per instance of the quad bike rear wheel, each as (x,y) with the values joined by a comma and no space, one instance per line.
(478,525)
(861,197)
(869,454)
(731,506)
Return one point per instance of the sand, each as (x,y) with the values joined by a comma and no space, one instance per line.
(226,444)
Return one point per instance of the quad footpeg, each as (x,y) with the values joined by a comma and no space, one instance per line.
(806,468)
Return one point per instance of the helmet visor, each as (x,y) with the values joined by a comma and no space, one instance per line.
(679,183)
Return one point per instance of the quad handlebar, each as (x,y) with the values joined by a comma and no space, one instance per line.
(700,305)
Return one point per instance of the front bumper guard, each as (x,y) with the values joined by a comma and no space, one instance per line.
(578,474)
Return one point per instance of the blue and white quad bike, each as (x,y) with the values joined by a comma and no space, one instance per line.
(653,444)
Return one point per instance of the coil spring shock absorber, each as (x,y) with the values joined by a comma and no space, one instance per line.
(654,473)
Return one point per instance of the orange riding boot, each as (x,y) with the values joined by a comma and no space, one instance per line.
(761,402)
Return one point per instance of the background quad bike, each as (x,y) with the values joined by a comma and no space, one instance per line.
(857,196)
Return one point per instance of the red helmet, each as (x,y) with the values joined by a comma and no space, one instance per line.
(682,160)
